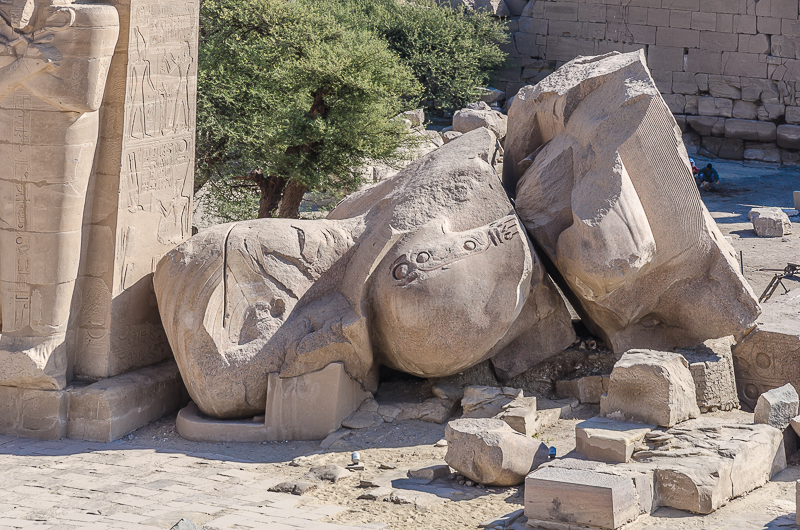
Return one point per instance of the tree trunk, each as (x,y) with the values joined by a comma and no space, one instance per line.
(292,197)
(271,188)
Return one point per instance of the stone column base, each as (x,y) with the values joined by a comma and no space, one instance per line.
(99,412)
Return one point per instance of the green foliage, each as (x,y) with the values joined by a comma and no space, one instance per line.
(451,51)
(306,90)
(287,87)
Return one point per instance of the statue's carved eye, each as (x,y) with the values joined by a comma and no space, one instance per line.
(423,257)
(401,271)
(470,245)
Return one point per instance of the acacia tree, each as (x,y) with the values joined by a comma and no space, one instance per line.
(292,97)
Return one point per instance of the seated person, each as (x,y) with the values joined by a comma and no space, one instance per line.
(708,178)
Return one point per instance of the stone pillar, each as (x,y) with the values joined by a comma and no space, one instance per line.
(54,58)
(142,187)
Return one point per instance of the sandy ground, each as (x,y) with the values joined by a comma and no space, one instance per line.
(410,444)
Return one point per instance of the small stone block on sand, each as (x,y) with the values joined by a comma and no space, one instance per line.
(606,440)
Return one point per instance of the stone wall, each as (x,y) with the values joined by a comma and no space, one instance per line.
(728,69)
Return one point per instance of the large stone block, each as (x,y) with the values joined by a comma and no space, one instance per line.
(111,408)
(789,136)
(142,187)
(777,407)
(580,497)
(707,125)
(596,203)
(289,297)
(651,387)
(466,120)
(770,222)
(490,452)
(765,358)
(33,413)
(757,131)
(607,440)
(711,365)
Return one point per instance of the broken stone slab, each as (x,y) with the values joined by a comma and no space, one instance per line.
(606,440)
(587,389)
(711,364)
(328,473)
(362,419)
(601,206)
(466,120)
(651,387)
(521,415)
(489,452)
(777,407)
(713,460)
(770,222)
(763,357)
(487,401)
(295,487)
(431,472)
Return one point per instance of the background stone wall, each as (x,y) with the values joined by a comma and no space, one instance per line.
(728,69)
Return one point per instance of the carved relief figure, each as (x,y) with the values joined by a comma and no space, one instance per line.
(54,58)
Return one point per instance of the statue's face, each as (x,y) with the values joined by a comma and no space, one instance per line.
(18,13)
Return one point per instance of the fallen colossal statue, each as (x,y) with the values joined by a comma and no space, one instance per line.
(603,184)
(428,272)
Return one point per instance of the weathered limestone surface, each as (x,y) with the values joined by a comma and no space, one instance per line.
(308,407)
(33,413)
(587,389)
(711,365)
(142,186)
(708,462)
(770,222)
(777,407)
(651,387)
(367,286)
(54,58)
(490,452)
(607,440)
(766,357)
(604,185)
(113,407)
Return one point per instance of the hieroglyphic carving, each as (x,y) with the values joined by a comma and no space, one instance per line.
(54,57)
(147,161)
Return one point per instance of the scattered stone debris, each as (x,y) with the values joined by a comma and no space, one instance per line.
(486,401)
(504,522)
(651,387)
(488,451)
(770,222)
(710,461)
